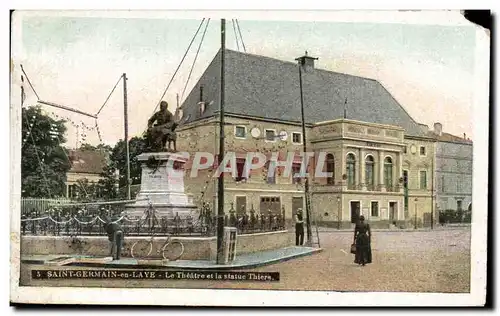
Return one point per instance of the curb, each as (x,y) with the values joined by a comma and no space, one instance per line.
(187,266)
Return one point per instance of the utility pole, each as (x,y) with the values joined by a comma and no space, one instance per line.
(125,119)
(416,213)
(220,186)
(22,91)
(302,63)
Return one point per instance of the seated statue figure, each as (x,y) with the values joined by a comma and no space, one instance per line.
(161,130)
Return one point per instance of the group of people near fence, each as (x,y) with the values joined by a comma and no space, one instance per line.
(361,246)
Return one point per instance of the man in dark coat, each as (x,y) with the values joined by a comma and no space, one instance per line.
(299,228)
(115,237)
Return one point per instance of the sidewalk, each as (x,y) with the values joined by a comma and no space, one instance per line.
(250,260)
(398,230)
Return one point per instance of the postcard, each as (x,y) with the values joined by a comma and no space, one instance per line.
(166,157)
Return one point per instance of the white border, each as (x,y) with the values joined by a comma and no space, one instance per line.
(280,298)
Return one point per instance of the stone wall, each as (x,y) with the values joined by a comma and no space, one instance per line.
(195,248)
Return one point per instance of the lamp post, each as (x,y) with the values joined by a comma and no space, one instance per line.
(220,183)
(304,62)
(416,200)
(339,211)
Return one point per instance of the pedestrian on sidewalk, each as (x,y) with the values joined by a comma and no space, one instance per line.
(115,237)
(299,228)
(362,239)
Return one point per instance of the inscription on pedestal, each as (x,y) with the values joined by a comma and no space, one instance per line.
(163,186)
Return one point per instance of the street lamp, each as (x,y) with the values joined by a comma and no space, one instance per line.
(416,199)
(339,210)
(305,62)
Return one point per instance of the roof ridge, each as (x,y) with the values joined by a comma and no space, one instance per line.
(292,63)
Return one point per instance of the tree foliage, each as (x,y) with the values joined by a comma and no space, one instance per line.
(44,162)
(117,161)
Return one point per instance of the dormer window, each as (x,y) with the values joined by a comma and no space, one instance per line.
(201,107)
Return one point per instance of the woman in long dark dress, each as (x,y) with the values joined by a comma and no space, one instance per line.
(362,239)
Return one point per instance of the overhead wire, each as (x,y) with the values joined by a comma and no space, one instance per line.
(29,82)
(195,58)
(179,66)
(235,34)
(241,37)
(113,90)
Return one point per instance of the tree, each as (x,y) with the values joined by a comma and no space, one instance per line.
(44,162)
(100,147)
(117,161)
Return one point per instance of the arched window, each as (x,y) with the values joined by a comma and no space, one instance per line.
(351,171)
(330,168)
(370,173)
(388,174)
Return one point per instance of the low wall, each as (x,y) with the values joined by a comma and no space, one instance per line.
(195,248)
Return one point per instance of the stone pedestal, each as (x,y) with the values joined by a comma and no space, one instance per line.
(162,184)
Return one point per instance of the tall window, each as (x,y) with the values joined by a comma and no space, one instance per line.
(405,185)
(351,170)
(423,180)
(240,167)
(271,179)
(296,178)
(459,205)
(422,151)
(330,168)
(374,211)
(388,173)
(370,173)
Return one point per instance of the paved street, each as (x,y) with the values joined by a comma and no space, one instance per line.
(421,261)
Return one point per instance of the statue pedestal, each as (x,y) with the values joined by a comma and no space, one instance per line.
(162,184)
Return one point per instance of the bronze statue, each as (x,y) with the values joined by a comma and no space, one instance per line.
(161,130)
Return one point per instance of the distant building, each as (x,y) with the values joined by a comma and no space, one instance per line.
(85,164)
(381,158)
(453,175)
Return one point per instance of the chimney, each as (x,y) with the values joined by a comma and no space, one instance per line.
(465,136)
(201,93)
(307,62)
(438,128)
(424,127)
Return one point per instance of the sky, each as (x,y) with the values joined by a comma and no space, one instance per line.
(76,61)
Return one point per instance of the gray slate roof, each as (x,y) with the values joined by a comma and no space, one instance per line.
(265,87)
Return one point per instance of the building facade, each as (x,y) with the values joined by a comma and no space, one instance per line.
(86,165)
(453,170)
(381,159)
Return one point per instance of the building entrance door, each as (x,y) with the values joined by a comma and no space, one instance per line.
(297,202)
(241,204)
(393,211)
(355,211)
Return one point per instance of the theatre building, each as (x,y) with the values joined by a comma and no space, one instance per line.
(381,161)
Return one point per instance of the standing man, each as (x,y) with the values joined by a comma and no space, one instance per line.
(115,237)
(299,228)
